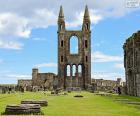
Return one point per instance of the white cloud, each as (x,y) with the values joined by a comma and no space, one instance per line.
(46,65)
(19,76)
(7,77)
(94,17)
(20,17)
(107,75)
(39,39)
(10,45)
(101,57)
(12,78)
(12,25)
(42,18)
(119,66)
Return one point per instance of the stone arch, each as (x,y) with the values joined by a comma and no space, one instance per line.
(80,70)
(74,44)
(68,69)
(74,70)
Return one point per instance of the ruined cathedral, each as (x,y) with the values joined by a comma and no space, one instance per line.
(80,63)
(74,69)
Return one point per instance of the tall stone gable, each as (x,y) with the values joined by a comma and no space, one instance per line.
(81,59)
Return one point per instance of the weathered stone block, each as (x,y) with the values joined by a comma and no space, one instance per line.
(22,109)
(40,102)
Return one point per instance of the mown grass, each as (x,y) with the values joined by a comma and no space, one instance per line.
(67,105)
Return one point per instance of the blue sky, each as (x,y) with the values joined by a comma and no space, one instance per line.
(28,35)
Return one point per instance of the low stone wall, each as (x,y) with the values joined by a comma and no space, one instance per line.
(24,83)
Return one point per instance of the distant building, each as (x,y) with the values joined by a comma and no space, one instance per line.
(107,85)
(132,64)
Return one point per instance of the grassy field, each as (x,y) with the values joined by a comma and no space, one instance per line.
(67,105)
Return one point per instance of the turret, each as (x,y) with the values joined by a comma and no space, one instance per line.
(61,20)
(86,20)
(34,76)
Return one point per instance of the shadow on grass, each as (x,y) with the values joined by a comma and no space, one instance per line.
(127,100)
(13,114)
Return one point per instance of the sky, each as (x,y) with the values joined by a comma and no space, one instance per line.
(28,35)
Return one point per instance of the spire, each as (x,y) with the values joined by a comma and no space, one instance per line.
(61,20)
(61,14)
(86,15)
(86,20)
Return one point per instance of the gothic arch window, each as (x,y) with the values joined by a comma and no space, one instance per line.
(61,26)
(73,45)
(87,27)
(86,43)
(62,59)
(74,70)
(62,43)
(80,70)
(86,58)
(68,70)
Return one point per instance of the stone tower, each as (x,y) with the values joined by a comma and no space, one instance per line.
(34,76)
(81,60)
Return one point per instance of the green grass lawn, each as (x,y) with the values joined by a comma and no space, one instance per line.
(67,105)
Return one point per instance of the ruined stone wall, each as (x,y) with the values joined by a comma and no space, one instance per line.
(40,80)
(24,83)
(46,80)
(43,79)
(106,85)
(132,64)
